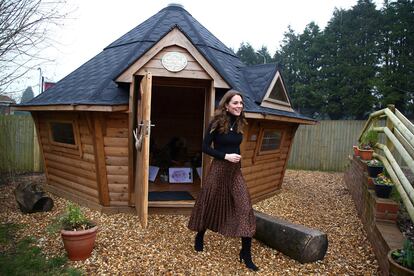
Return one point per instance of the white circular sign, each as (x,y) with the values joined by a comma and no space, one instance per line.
(174,61)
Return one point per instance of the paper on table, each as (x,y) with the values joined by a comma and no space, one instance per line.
(153,171)
(181,175)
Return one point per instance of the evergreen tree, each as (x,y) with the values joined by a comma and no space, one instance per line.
(395,80)
(247,54)
(349,62)
(300,59)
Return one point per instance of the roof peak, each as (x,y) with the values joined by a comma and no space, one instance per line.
(175,6)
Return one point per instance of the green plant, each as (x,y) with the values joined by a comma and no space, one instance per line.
(369,139)
(383,179)
(23,257)
(72,219)
(405,256)
(375,163)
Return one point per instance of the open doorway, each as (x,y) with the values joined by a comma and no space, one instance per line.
(177,111)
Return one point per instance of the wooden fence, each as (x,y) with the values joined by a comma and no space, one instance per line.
(324,146)
(19,150)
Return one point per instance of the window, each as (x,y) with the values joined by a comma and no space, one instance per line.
(62,133)
(278,92)
(271,140)
(64,136)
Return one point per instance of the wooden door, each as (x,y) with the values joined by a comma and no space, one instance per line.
(142,144)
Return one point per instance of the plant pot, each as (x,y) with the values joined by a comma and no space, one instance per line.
(79,244)
(356,150)
(382,191)
(374,171)
(365,154)
(397,269)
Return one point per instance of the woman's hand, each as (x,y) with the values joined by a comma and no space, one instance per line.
(232,157)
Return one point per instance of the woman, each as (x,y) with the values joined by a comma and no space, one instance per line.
(223,204)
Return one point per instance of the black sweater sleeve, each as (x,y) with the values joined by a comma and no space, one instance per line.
(208,140)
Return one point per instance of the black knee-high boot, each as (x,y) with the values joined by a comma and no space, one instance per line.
(199,241)
(246,253)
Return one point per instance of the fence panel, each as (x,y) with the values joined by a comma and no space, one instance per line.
(324,146)
(18,144)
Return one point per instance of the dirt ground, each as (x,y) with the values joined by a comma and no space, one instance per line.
(318,200)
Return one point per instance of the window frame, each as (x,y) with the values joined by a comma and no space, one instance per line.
(260,140)
(74,149)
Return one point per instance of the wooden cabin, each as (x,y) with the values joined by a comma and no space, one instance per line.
(162,80)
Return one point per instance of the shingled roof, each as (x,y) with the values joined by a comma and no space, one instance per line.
(93,83)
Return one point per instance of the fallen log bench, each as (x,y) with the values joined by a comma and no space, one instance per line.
(296,241)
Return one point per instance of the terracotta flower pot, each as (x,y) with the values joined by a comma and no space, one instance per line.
(356,150)
(79,244)
(366,154)
(396,268)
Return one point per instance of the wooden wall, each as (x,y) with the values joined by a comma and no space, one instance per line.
(98,173)
(264,174)
(67,170)
(116,157)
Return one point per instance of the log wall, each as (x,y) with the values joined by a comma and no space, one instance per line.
(116,157)
(264,173)
(71,171)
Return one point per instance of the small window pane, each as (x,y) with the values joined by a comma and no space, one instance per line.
(271,140)
(63,133)
(278,92)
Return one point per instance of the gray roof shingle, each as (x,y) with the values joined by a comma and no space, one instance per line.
(93,82)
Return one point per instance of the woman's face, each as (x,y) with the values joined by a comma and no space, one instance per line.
(235,106)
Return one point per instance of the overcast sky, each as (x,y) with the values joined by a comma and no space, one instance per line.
(94,24)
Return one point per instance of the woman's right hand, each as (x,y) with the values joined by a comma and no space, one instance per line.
(232,157)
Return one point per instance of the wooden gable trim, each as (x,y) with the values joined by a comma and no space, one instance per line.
(252,115)
(276,104)
(103,108)
(174,38)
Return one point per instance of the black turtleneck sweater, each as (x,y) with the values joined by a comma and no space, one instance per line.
(223,143)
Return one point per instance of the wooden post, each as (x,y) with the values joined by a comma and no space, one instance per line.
(390,126)
(36,153)
(209,103)
(100,164)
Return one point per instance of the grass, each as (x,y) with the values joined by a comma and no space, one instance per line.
(23,257)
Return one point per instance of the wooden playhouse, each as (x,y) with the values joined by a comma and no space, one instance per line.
(162,80)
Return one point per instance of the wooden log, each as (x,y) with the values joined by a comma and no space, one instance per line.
(117,170)
(73,170)
(116,151)
(74,186)
(69,193)
(296,241)
(70,161)
(74,178)
(31,198)
(116,161)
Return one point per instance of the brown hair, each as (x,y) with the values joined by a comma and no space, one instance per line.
(221,119)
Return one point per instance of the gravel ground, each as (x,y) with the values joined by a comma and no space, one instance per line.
(315,199)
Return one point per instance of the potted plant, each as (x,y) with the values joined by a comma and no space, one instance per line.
(374,167)
(401,261)
(383,185)
(356,150)
(78,233)
(368,141)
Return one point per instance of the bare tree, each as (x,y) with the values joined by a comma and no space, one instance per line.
(25,27)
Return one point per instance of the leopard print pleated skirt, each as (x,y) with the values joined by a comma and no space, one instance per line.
(224,204)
